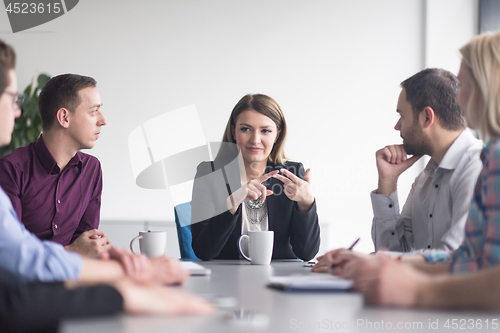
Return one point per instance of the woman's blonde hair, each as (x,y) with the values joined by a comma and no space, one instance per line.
(482,56)
(268,107)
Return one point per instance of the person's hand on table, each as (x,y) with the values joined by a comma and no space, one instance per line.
(168,270)
(252,190)
(389,282)
(297,189)
(352,263)
(155,299)
(133,264)
(325,261)
(163,269)
(340,258)
(149,298)
(90,243)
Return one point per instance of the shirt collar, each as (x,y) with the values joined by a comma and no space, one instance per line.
(77,160)
(47,160)
(430,167)
(457,149)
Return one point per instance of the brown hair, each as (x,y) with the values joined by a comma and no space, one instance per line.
(7,62)
(267,106)
(61,92)
(437,88)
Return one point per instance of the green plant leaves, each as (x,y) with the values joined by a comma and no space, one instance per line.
(42,80)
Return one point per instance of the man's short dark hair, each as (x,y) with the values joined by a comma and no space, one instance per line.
(61,92)
(438,89)
(7,62)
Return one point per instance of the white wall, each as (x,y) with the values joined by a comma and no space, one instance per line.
(333,65)
(450,24)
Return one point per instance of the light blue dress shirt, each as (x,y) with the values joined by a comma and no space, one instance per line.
(24,257)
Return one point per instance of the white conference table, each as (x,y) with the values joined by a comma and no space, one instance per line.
(285,311)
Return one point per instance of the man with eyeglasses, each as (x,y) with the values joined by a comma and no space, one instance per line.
(56,189)
(17,99)
(128,283)
(13,103)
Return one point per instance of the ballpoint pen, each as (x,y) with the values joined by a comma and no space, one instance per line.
(349,249)
(353,244)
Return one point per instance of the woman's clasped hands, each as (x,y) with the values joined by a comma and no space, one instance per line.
(252,190)
(297,189)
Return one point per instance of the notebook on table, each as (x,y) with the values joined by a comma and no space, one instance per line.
(322,282)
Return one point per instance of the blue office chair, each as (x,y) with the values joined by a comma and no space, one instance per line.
(182,214)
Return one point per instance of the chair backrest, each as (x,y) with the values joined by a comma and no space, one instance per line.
(182,214)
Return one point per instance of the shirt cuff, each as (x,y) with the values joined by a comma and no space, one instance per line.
(437,256)
(385,206)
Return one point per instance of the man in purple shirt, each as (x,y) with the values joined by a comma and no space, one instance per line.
(35,307)
(54,188)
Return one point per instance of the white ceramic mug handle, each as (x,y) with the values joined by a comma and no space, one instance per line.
(239,247)
(132,241)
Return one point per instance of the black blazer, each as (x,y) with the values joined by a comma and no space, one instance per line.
(216,231)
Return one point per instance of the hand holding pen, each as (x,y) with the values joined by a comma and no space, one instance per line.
(325,261)
(332,267)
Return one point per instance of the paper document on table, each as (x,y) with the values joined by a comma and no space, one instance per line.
(195,269)
(320,282)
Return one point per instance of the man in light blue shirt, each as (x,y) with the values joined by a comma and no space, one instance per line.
(35,307)
(23,257)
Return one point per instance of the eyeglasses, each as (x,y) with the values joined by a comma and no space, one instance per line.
(18,99)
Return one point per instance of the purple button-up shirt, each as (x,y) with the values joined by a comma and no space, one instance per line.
(54,205)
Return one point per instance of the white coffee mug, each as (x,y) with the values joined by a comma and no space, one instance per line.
(152,243)
(260,247)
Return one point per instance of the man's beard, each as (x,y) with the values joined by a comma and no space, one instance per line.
(416,143)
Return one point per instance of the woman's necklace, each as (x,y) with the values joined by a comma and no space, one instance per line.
(256,211)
